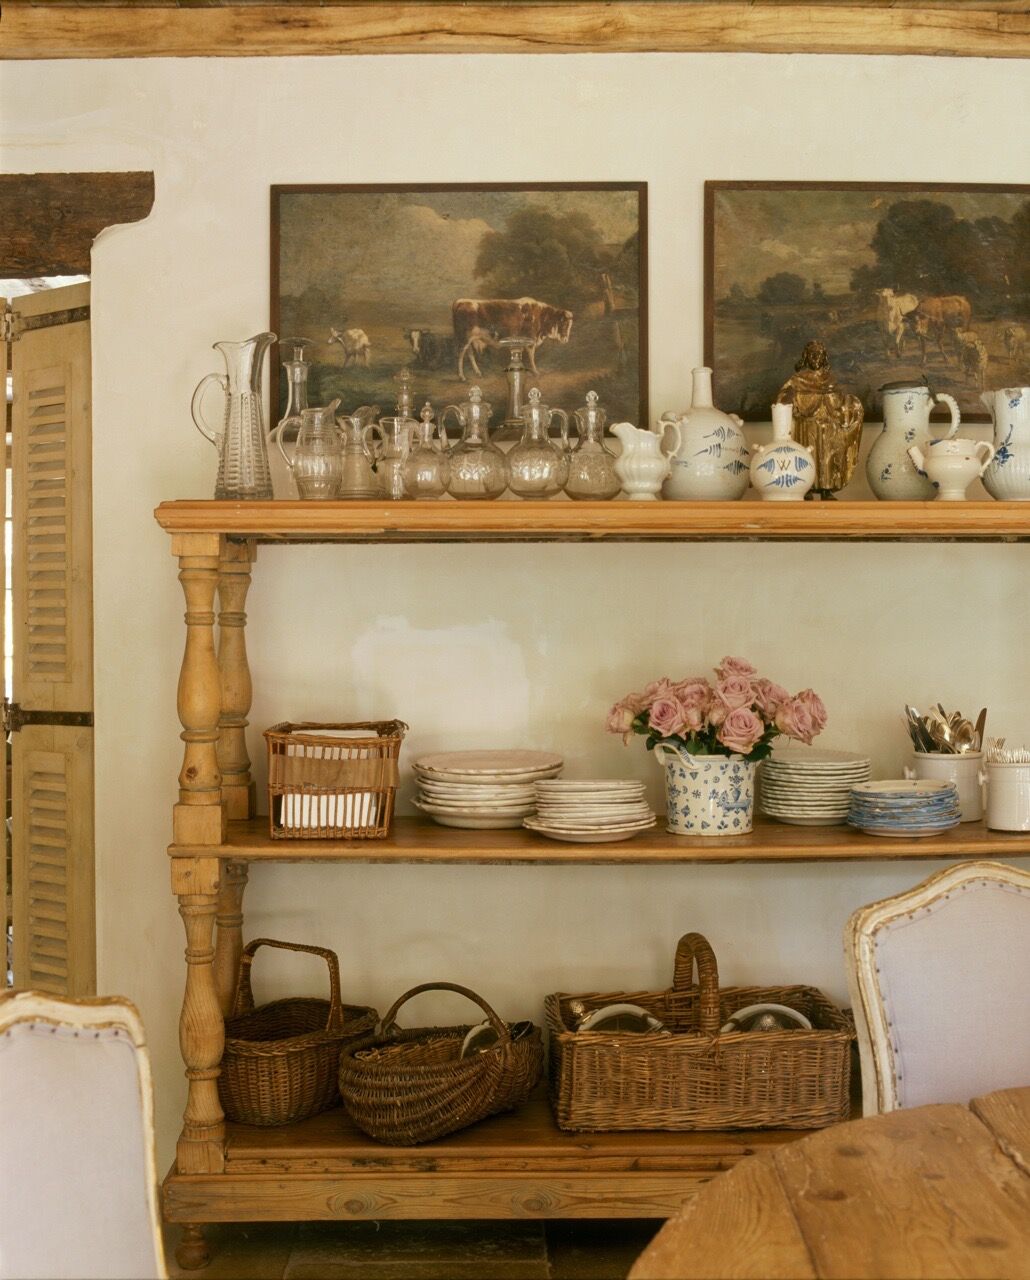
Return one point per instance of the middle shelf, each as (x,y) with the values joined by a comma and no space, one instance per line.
(416,840)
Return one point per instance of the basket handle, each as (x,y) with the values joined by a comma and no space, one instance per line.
(503,1034)
(694,949)
(243,1001)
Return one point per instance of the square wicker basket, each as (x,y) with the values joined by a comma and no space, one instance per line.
(333,781)
(698,1077)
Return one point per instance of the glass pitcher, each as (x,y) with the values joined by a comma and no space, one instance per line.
(397,434)
(478,468)
(539,469)
(359,453)
(427,469)
(242,455)
(316,460)
(591,463)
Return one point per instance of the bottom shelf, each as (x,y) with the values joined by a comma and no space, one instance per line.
(519,1165)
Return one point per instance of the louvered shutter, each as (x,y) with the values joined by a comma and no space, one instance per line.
(52,778)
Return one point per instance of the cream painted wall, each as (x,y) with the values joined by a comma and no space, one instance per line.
(480,644)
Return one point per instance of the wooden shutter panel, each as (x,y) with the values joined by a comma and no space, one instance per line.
(52,775)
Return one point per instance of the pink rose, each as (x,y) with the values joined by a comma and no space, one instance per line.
(735,667)
(717,713)
(815,708)
(741,730)
(663,688)
(692,685)
(734,692)
(695,697)
(620,719)
(666,716)
(769,697)
(795,720)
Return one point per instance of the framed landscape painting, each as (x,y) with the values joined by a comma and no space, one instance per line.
(436,277)
(898,280)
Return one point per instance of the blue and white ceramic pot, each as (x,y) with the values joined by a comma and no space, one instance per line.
(711,463)
(782,471)
(1008,476)
(707,795)
(892,474)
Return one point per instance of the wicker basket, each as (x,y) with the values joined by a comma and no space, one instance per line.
(281,1061)
(697,1077)
(404,1087)
(333,781)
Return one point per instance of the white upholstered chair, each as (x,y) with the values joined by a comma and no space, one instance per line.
(78,1181)
(939,985)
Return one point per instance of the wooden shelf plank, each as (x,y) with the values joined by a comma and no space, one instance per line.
(156,29)
(519,1165)
(415,840)
(445,520)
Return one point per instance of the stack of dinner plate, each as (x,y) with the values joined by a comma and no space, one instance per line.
(810,786)
(481,790)
(905,807)
(590,811)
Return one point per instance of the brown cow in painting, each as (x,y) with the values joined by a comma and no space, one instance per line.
(934,317)
(482,323)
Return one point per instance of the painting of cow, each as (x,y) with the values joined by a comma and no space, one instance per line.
(442,280)
(898,280)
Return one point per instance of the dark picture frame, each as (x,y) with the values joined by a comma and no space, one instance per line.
(785,262)
(380,267)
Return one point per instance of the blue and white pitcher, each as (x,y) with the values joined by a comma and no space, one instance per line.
(892,474)
(1008,476)
(707,795)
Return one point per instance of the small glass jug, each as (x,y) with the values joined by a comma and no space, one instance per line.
(359,452)
(427,470)
(478,468)
(242,455)
(296,370)
(539,469)
(591,463)
(316,459)
(393,453)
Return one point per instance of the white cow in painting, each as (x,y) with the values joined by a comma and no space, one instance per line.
(891,310)
(356,347)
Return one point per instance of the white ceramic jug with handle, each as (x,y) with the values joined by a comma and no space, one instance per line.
(1008,476)
(892,474)
(713,459)
(643,464)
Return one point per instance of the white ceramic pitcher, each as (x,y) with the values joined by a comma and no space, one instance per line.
(1008,476)
(643,464)
(892,474)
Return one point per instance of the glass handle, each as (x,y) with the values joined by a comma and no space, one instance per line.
(196,409)
(372,450)
(279,441)
(563,424)
(442,424)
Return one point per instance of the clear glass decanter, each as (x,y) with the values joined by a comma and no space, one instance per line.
(397,434)
(296,370)
(539,469)
(316,460)
(427,470)
(478,468)
(591,464)
(359,453)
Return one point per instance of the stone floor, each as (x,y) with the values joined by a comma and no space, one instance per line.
(589,1250)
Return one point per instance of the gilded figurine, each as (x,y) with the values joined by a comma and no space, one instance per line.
(827,419)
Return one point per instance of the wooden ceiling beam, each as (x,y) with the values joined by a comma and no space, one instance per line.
(35,31)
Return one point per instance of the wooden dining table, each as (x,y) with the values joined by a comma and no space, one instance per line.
(937,1191)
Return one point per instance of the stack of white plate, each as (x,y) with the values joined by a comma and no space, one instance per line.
(482,790)
(590,811)
(811,786)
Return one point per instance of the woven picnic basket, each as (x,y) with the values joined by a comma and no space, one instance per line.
(405,1087)
(281,1060)
(695,1076)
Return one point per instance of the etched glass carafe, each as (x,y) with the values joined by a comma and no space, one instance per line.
(296,371)
(539,468)
(591,464)
(397,433)
(316,458)
(478,468)
(243,471)
(427,469)
(359,453)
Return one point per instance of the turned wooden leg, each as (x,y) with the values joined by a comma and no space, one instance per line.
(201,1147)
(233,584)
(199,817)
(229,939)
(191,1253)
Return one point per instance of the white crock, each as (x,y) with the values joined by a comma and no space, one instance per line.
(964,769)
(1008,476)
(1008,797)
(707,795)
(711,463)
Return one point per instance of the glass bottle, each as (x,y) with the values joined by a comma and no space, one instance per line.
(359,453)
(478,468)
(539,469)
(427,469)
(591,464)
(296,371)
(393,453)
(316,461)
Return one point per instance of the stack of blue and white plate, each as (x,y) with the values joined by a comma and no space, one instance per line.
(903,807)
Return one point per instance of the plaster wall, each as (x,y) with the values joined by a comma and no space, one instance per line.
(497,645)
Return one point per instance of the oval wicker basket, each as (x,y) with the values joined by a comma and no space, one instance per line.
(405,1087)
(281,1060)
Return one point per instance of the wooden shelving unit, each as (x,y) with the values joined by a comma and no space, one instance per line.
(513,1166)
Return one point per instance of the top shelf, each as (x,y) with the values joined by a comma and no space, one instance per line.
(561,520)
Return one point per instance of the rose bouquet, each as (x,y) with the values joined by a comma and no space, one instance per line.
(740,714)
